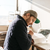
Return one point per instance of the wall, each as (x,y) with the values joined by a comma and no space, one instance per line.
(43,15)
(24,6)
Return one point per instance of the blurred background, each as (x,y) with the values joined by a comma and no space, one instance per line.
(8,9)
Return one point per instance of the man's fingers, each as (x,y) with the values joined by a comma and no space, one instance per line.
(30,31)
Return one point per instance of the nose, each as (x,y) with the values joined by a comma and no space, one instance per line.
(31,23)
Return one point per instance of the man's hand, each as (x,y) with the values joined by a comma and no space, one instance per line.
(31,33)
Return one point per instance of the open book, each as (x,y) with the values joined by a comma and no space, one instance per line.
(40,38)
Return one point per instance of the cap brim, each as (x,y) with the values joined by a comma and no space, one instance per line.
(37,21)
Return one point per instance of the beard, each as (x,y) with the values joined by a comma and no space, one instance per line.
(28,21)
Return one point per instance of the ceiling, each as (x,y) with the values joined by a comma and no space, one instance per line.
(44,4)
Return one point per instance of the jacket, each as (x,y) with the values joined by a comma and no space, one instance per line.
(17,37)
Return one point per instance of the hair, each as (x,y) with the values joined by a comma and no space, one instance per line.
(24,13)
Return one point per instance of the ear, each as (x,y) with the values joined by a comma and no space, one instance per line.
(28,14)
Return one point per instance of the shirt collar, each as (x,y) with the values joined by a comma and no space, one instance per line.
(22,19)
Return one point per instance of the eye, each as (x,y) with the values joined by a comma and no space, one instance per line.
(33,20)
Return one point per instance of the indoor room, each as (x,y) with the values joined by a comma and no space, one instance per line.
(24,24)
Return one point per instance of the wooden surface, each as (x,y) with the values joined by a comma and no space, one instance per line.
(37,47)
(2,37)
(42,46)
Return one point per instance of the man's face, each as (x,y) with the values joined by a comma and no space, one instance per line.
(30,20)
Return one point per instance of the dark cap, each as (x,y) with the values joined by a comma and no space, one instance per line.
(33,13)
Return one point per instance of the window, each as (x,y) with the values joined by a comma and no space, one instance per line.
(6,6)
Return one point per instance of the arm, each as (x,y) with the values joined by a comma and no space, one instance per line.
(24,39)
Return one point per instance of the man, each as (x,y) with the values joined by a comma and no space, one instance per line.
(17,37)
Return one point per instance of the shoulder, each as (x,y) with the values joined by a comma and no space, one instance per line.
(20,22)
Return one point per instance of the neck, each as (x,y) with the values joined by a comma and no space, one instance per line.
(24,18)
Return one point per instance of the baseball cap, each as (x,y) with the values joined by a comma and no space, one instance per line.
(33,13)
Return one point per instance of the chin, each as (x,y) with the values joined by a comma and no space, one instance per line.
(27,24)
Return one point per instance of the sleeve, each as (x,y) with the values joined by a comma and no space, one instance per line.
(23,39)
